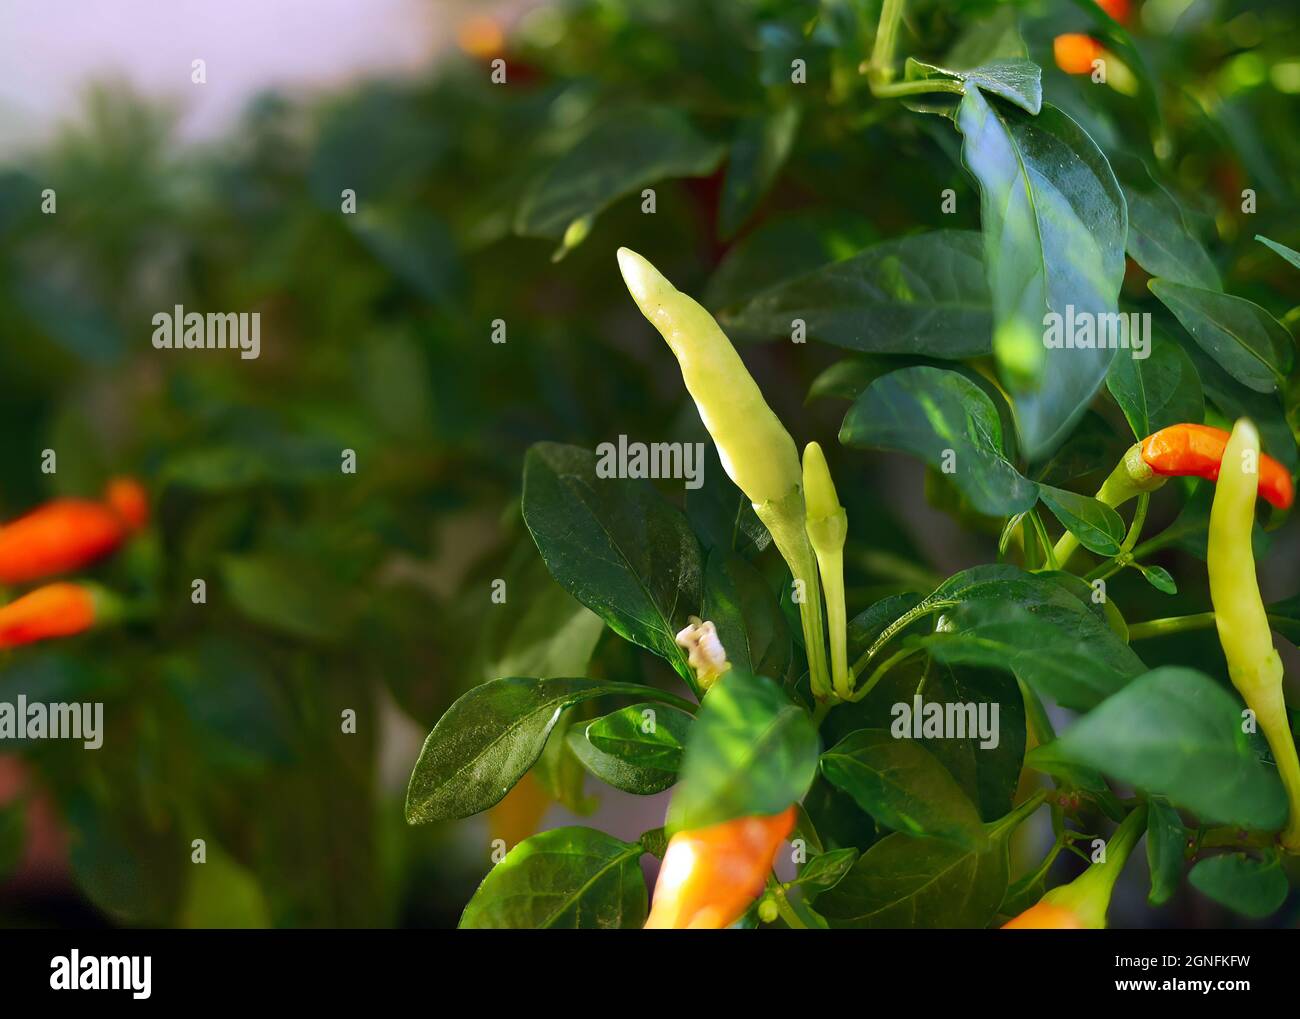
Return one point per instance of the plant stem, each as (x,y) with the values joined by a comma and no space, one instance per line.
(1170,624)
(783,906)
(1018,814)
(882,51)
(881,669)
(1053,561)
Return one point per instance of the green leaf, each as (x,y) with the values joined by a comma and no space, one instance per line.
(1166,842)
(1242,338)
(285,595)
(1253,888)
(1054,225)
(614,771)
(1097,526)
(571,878)
(750,624)
(616,545)
(948,421)
(485,743)
(906,882)
(1176,733)
(1237,401)
(1003,618)
(1158,391)
(637,749)
(825,870)
(781,248)
(223,895)
(1159,237)
(650,735)
(751,751)
(720,514)
(1290,254)
(1158,577)
(902,785)
(923,294)
(759,151)
(622,152)
(1016,80)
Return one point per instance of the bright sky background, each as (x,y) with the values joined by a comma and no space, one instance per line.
(50,49)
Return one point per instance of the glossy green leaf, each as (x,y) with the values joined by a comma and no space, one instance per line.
(651,735)
(1054,225)
(616,545)
(1003,618)
(572,878)
(1176,733)
(1242,338)
(1016,80)
(750,624)
(751,751)
(1166,843)
(948,421)
(1159,236)
(825,870)
(1158,391)
(618,772)
(1098,527)
(923,294)
(1251,887)
(485,743)
(624,151)
(1158,577)
(902,785)
(906,882)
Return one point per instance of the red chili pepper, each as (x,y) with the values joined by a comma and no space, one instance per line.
(1117,9)
(1190,450)
(56,610)
(710,876)
(129,500)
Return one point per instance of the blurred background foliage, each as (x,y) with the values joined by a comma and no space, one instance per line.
(477,202)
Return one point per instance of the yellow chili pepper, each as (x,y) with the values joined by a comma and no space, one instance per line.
(827,526)
(756,450)
(1082,903)
(710,876)
(1253,662)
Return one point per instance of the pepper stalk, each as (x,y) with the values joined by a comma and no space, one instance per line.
(756,451)
(1131,477)
(1253,663)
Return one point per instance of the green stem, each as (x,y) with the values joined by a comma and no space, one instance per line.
(882,669)
(892,90)
(783,906)
(1018,815)
(1170,624)
(882,52)
(1053,560)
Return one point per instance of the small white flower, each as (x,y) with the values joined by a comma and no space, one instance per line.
(704,651)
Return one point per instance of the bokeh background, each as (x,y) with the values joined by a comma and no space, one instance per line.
(371,592)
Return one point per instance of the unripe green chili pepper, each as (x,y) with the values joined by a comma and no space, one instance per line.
(755,449)
(1253,662)
(827,527)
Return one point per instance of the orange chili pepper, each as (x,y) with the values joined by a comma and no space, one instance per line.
(56,610)
(710,876)
(1045,916)
(128,499)
(61,536)
(1075,52)
(68,534)
(1190,450)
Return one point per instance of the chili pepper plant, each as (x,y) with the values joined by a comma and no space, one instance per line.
(1071,339)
